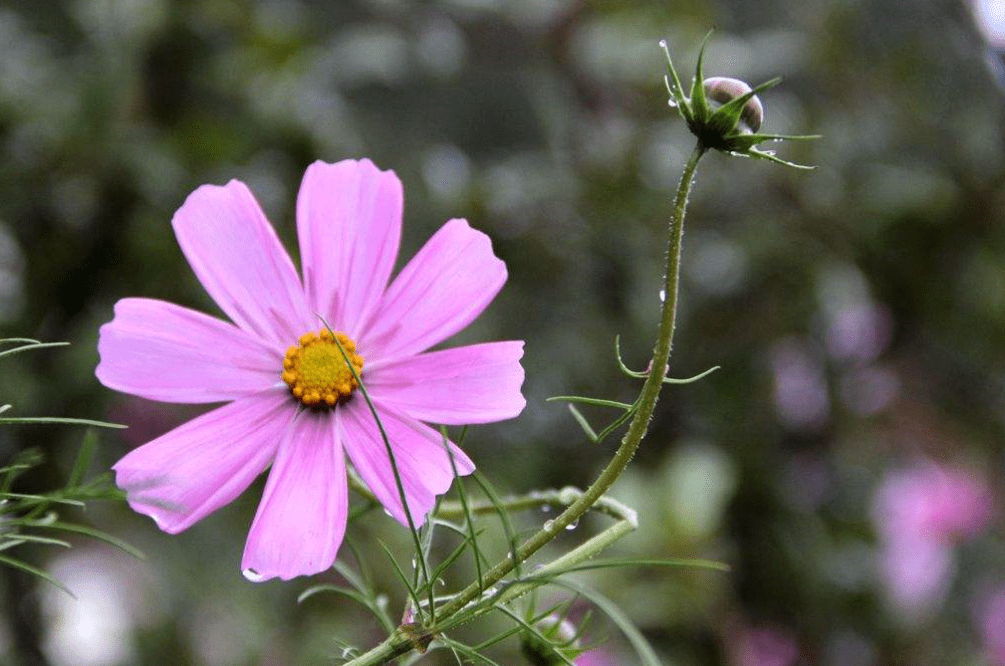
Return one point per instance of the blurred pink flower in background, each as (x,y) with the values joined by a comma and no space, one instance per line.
(991,617)
(919,512)
(597,657)
(763,645)
(292,398)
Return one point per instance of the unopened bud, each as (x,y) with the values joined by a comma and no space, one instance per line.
(722,89)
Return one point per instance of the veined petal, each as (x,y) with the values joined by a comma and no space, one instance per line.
(463,385)
(302,517)
(162,351)
(442,289)
(349,225)
(422,461)
(238,258)
(186,474)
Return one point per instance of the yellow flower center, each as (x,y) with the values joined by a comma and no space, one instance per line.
(316,371)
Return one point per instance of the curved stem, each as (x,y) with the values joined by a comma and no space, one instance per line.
(404,639)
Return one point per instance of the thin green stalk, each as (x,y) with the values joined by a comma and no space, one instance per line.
(403,640)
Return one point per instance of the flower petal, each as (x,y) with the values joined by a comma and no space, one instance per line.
(237,257)
(302,517)
(349,225)
(186,474)
(423,463)
(162,351)
(473,384)
(442,289)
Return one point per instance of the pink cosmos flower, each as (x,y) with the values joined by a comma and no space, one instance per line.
(292,401)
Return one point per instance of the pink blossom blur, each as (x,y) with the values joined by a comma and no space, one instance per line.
(919,513)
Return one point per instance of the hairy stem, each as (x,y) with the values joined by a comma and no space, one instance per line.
(404,639)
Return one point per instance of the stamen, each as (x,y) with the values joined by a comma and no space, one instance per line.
(316,371)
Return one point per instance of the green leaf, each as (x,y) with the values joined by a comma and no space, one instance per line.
(84,459)
(689,380)
(698,102)
(399,484)
(55,419)
(351,594)
(583,423)
(28,346)
(465,650)
(600,402)
(621,364)
(503,516)
(404,579)
(463,496)
(97,535)
(18,564)
(630,563)
(641,646)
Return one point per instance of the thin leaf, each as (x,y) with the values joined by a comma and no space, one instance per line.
(583,423)
(32,344)
(465,650)
(632,562)
(621,364)
(404,579)
(689,380)
(351,594)
(600,402)
(615,424)
(503,517)
(642,647)
(399,484)
(698,102)
(18,564)
(37,538)
(536,632)
(450,559)
(55,419)
(84,459)
(462,495)
(99,536)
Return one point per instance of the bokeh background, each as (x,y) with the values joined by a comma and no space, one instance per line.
(846,461)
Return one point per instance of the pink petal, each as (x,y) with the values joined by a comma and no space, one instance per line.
(302,516)
(423,463)
(474,384)
(349,225)
(161,351)
(442,289)
(239,260)
(186,474)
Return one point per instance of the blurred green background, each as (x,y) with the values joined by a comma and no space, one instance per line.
(857,311)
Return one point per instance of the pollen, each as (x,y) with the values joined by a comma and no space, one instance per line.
(317,372)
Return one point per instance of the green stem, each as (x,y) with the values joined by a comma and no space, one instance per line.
(404,640)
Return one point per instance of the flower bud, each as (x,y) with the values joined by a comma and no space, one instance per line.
(722,89)
(724,114)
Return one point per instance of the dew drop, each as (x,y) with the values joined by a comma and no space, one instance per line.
(672,104)
(663,295)
(769,152)
(546,508)
(663,43)
(253,575)
(573,525)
